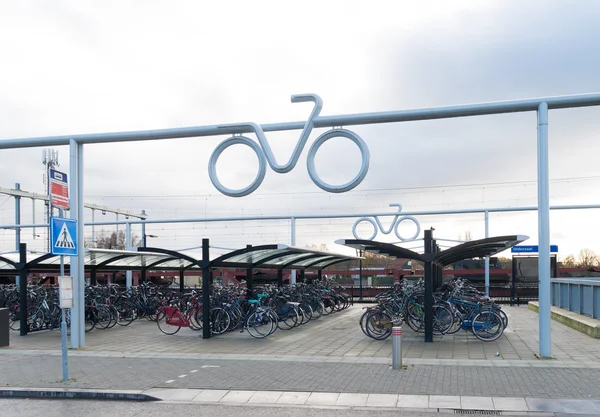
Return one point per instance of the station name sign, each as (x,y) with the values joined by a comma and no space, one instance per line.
(531,249)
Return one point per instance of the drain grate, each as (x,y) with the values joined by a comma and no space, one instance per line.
(488,412)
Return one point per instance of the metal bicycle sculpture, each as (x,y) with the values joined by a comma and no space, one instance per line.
(263,151)
(394,226)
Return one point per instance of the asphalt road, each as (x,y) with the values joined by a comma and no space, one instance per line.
(61,408)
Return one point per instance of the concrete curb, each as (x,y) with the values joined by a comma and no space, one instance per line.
(583,324)
(76,394)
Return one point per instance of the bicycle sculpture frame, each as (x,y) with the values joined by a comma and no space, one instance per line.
(263,151)
(394,226)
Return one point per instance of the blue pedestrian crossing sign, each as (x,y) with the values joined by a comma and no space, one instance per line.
(63,236)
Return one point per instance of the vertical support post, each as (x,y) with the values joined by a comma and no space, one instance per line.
(544,231)
(128,274)
(249,283)
(303,275)
(397,347)
(33,217)
(144,275)
(205,289)
(17,222)
(487,258)
(23,288)
(513,290)
(143,231)
(77,269)
(293,243)
(319,275)
(182,280)
(428,277)
(92,276)
(63,323)
(93,226)
(360,277)
(280,277)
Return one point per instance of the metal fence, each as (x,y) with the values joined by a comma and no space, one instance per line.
(519,293)
(580,295)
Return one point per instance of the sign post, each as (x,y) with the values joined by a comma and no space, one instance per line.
(65,291)
(63,241)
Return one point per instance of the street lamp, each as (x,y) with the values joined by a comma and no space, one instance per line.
(145,236)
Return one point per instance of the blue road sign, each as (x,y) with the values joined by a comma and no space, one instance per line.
(531,249)
(63,236)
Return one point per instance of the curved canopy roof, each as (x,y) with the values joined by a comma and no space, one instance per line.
(279,257)
(276,256)
(472,249)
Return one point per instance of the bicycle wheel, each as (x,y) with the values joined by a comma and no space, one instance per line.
(260,324)
(103,317)
(443,319)
(90,319)
(14,320)
(35,318)
(219,321)
(487,326)
(161,322)
(126,313)
(306,313)
(378,325)
(317,307)
(287,317)
(114,316)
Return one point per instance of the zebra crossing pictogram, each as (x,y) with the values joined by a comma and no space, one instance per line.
(64,238)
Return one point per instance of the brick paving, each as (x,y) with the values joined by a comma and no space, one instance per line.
(338,335)
(144,373)
(329,355)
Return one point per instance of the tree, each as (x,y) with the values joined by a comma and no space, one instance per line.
(113,240)
(587,258)
(467,237)
(569,262)
(504,263)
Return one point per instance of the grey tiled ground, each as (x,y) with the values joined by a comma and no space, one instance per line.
(145,373)
(331,355)
(338,335)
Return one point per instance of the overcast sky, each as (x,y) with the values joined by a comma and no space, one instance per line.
(73,67)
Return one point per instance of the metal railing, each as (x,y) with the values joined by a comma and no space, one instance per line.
(581,295)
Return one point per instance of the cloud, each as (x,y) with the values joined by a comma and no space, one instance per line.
(77,67)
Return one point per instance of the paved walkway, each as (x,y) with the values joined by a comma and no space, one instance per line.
(330,356)
(339,335)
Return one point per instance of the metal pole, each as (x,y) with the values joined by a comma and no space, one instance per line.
(205,289)
(17,221)
(544,232)
(63,324)
(396,347)
(33,216)
(428,277)
(128,274)
(143,231)
(360,277)
(487,258)
(293,243)
(23,289)
(77,262)
(93,227)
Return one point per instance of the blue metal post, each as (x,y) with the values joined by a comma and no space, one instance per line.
(487,258)
(544,232)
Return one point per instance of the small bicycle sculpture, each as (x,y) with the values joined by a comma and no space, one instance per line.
(394,226)
(263,151)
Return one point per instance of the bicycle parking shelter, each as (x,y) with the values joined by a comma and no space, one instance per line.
(273,256)
(540,105)
(435,259)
